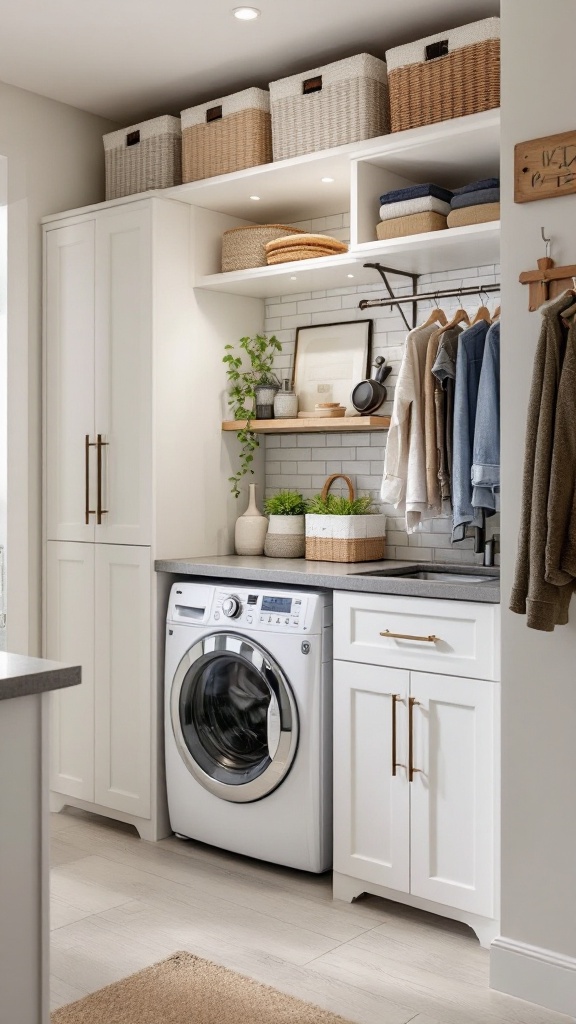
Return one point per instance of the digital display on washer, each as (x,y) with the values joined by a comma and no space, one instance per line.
(280,605)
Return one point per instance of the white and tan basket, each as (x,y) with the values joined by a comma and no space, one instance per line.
(449,74)
(144,156)
(345,538)
(226,135)
(245,247)
(329,106)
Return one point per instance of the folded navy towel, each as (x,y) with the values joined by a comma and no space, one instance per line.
(415,192)
(485,195)
(476,186)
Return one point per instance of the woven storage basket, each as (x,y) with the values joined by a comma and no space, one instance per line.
(345,538)
(144,156)
(446,75)
(330,106)
(474,215)
(413,224)
(244,247)
(226,135)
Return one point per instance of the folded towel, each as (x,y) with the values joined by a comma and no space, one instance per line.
(398,195)
(425,204)
(474,215)
(412,225)
(484,195)
(477,186)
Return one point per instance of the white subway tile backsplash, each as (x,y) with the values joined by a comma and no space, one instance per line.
(320,305)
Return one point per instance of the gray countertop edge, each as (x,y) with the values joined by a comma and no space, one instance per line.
(328,575)
(21,676)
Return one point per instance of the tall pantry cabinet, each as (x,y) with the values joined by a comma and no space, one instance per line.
(133,461)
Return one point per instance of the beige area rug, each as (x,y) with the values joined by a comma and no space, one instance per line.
(187,990)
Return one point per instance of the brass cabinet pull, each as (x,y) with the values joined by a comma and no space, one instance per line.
(88,444)
(395,764)
(411,769)
(408,636)
(100,444)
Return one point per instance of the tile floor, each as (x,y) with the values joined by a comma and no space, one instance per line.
(120,904)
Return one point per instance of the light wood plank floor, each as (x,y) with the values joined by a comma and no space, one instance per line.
(120,904)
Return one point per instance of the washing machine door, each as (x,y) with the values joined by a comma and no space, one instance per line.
(234,717)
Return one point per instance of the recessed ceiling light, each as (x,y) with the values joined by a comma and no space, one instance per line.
(255,199)
(246,13)
(292,278)
(327,181)
(350,275)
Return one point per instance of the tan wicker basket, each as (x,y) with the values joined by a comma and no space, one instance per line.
(244,247)
(345,538)
(445,75)
(226,135)
(330,106)
(142,157)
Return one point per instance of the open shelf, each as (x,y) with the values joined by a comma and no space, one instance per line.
(314,425)
(435,251)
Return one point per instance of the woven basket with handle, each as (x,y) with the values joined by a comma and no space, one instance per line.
(345,538)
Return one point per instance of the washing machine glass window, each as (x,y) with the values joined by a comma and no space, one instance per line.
(234,717)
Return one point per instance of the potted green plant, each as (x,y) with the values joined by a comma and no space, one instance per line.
(258,351)
(285,537)
(340,529)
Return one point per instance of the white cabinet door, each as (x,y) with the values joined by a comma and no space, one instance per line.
(123,674)
(70,638)
(371,803)
(123,374)
(452,792)
(69,346)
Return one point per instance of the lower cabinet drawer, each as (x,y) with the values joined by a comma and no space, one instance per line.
(449,637)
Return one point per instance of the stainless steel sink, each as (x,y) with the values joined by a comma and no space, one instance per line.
(431,574)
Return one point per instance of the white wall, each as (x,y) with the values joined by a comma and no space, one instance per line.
(539,669)
(54,162)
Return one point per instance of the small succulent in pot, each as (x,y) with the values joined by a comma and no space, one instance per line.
(285,537)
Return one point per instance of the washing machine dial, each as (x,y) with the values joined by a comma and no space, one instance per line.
(231,607)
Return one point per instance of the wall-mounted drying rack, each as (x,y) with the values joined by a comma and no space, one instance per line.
(416,297)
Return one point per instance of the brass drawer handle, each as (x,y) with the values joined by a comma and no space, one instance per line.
(100,444)
(395,764)
(88,444)
(411,769)
(408,636)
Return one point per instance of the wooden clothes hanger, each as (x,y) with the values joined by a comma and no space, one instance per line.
(496,314)
(437,316)
(460,316)
(483,314)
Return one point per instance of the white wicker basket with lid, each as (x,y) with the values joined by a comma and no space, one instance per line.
(143,156)
(342,102)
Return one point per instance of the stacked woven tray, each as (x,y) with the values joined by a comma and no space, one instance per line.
(302,247)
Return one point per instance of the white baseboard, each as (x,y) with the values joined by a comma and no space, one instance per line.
(536,975)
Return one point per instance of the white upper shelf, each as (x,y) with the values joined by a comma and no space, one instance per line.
(450,152)
(452,249)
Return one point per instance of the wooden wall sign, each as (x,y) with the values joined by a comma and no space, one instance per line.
(544,168)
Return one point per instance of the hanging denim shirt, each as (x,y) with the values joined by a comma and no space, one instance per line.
(486,455)
(468,368)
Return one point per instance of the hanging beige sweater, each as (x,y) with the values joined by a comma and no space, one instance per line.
(544,603)
(404,482)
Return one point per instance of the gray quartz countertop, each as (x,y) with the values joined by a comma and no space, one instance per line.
(21,675)
(338,576)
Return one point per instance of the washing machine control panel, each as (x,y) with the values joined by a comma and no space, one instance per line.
(274,610)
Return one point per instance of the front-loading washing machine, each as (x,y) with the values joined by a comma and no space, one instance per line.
(248,720)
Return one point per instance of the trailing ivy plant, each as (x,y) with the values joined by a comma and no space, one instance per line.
(286,503)
(335,505)
(259,352)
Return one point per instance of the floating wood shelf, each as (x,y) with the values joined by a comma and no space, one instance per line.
(315,425)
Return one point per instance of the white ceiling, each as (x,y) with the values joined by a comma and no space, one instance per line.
(132,59)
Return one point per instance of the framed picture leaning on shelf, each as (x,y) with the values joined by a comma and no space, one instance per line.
(329,360)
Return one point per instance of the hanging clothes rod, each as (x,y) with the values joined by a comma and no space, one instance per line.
(423,296)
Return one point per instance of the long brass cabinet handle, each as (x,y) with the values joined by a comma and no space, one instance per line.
(88,444)
(408,636)
(100,444)
(395,764)
(411,769)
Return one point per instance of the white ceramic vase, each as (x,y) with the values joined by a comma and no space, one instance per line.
(285,537)
(251,527)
